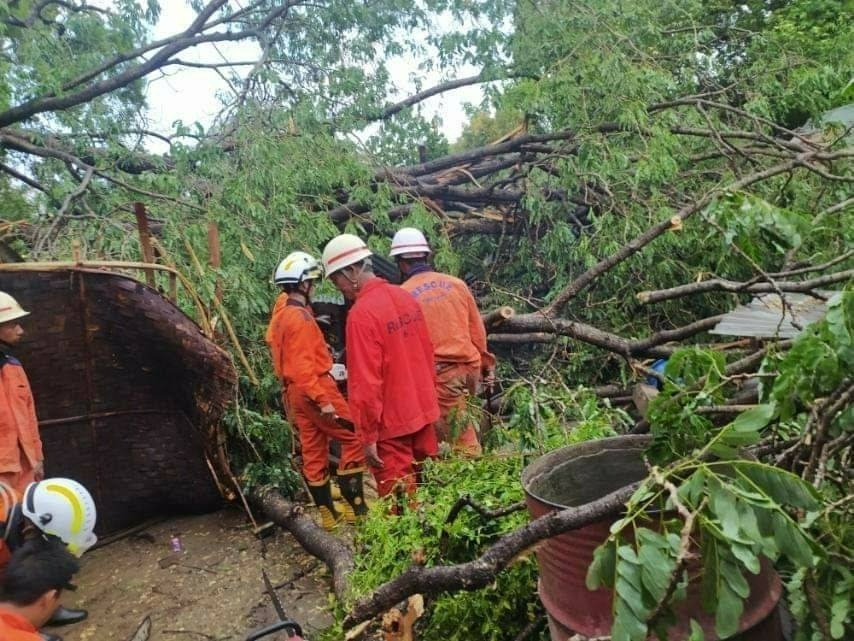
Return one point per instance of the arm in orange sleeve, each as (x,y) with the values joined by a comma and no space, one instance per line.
(477,331)
(300,366)
(364,380)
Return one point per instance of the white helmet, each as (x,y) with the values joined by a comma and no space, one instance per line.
(342,251)
(63,508)
(295,268)
(409,242)
(10,309)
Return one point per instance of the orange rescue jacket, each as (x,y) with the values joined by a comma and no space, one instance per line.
(14,627)
(456,328)
(300,355)
(19,428)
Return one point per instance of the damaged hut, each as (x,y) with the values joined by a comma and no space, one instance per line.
(129,391)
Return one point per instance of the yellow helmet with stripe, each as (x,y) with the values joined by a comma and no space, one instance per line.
(64,508)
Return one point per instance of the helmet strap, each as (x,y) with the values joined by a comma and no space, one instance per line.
(354,281)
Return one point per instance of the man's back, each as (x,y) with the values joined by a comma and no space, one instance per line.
(456,329)
(390,363)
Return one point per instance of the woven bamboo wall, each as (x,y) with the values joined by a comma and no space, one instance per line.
(128,391)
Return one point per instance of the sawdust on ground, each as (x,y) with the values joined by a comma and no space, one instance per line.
(212,591)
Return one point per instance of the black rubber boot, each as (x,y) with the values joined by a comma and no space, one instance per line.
(66,616)
(322,495)
(352,489)
(47,636)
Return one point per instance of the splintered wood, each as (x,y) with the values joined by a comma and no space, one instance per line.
(399,625)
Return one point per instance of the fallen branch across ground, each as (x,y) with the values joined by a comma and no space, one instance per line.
(332,550)
(483,570)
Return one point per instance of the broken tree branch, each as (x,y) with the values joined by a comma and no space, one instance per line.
(639,242)
(421,96)
(482,571)
(653,345)
(497,316)
(330,549)
(721,284)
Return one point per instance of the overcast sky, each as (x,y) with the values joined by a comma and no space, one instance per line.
(192,95)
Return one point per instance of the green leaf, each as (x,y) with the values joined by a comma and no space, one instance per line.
(791,541)
(722,503)
(628,567)
(691,490)
(602,570)
(747,521)
(696,632)
(711,583)
(782,486)
(656,568)
(627,625)
(754,419)
(839,614)
(631,595)
(733,575)
(723,452)
(728,612)
(748,558)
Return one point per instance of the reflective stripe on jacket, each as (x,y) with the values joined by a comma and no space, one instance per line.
(391,376)
(454,321)
(19,428)
(300,355)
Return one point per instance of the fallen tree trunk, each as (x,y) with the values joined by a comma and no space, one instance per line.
(332,550)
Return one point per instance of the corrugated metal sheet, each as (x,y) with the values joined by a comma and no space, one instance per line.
(767,317)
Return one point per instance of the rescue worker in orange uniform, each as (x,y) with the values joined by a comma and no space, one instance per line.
(463,362)
(313,403)
(55,508)
(31,588)
(21,458)
(391,379)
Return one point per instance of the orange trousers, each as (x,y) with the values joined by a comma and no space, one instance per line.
(315,432)
(401,457)
(454,384)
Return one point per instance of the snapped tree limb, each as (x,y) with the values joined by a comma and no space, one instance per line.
(330,549)
(483,570)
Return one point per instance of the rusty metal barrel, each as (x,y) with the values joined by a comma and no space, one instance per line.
(579,474)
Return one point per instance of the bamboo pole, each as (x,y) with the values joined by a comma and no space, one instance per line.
(226,321)
(160,251)
(144,240)
(215,256)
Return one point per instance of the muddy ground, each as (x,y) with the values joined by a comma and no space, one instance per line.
(211,591)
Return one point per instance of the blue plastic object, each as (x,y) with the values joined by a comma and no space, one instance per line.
(657,366)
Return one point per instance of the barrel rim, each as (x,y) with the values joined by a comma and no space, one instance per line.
(546,462)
